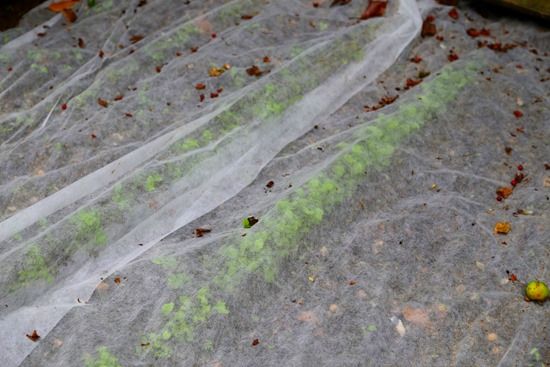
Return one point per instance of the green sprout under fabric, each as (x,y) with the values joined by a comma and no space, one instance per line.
(152,182)
(183,316)
(175,281)
(89,227)
(35,268)
(121,200)
(282,229)
(104,358)
(287,89)
(261,251)
(535,358)
(169,263)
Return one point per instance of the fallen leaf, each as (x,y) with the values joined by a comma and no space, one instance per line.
(519,101)
(247,16)
(308,316)
(102,102)
(409,83)
(384,101)
(416,316)
(199,232)
(400,328)
(136,38)
(374,9)
(128,114)
(102,286)
(255,342)
(254,71)
(352,282)
(473,32)
(508,150)
(428,27)
(502,228)
(522,212)
(504,192)
(453,13)
(119,97)
(423,73)
(158,68)
(100,54)
(452,56)
(69,15)
(117,280)
(33,336)
(62,5)
(266,60)
(200,86)
(204,25)
(518,114)
(215,71)
(81,43)
(480,265)
(499,47)
(41,34)
(416,59)
(339,2)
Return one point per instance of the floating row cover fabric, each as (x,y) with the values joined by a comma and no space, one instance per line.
(136,140)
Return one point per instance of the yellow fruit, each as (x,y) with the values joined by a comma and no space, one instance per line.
(537,291)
